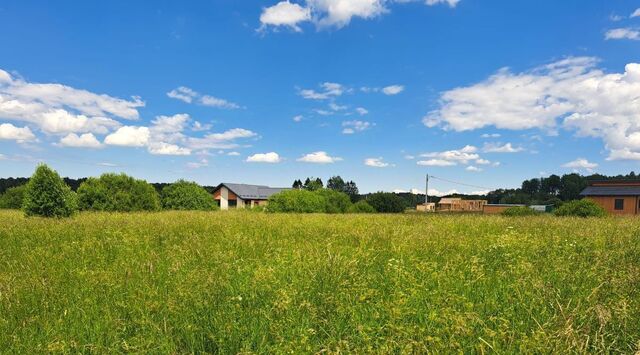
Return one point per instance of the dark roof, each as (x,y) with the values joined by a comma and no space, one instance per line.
(611,191)
(252,192)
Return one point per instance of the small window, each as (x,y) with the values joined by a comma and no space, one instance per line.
(619,204)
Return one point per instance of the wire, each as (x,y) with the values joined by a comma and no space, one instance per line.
(462,183)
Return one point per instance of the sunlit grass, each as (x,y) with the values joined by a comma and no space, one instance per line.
(231,282)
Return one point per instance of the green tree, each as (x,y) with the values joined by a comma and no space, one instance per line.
(47,195)
(551,185)
(296,201)
(13,197)
(117,192)
(297,184)
(336,183)
(580,208)
(361,206)
(386,202)
(571,186)
(531,187)
(186,195)
(312,184)
(334,201)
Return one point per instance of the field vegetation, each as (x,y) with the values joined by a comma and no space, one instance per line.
(230,282)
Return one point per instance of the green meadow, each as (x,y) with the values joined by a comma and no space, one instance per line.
(247,282)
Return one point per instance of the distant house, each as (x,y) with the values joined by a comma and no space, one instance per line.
(451,204)
(615,196)
(242,195)
(498,208)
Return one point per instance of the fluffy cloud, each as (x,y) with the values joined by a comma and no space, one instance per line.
(329,13)
(298,118)
(87,140)
(224,140)
(580,163)
(473,168)
(436,162)
(467,155)
(319,158)
(362,111)
(351,127)
(189,95)
(11,132)
(501,148)
(623,33)
(572,94)
(163,148)
(271,158)
(635,13)
(329,91)
(129,136)
(285,14)
(198,164)
(393,89)
(376,163)
(61,109)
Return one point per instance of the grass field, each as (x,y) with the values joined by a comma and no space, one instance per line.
(230,282)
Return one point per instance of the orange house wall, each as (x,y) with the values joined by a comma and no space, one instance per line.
(608,203)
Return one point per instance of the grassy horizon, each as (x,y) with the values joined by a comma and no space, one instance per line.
(229,282)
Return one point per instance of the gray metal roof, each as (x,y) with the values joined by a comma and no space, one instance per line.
(611,191)
(252,192)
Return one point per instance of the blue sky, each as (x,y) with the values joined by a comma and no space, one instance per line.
(379,91)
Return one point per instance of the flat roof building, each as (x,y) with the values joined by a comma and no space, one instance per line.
(615,196)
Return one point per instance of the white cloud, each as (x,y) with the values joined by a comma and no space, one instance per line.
(351,127)
(271,158)
(580,163)
(636,13)
(376,163)
(284,14)
(491,135)
(329,91)
(473,168)
(61,109)
(319,158)
(297,118)
(329,13)
(233,154)
(189,95)
(337,107)
(572,94)
(198,164)
(199,127)
(163,148)
(393,89)
(87,140)
(450,157)
(623,33)
(129,136)
(436,162)
(362,111)
(501,148)
(224,140)
(11,132)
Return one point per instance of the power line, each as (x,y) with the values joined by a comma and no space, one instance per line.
(462,183)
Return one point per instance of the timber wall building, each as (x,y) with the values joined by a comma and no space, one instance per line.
(616,197)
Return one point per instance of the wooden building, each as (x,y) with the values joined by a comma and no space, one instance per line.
(497,208)
(243,195)
(620,197)
(455,204)
(429,207)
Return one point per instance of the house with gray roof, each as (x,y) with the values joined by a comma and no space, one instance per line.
(230,195)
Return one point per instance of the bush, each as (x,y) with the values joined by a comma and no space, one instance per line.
(334,201)
(361,207)
(299,201)
(581,208)
(47,195)
(13,198)
(519,211)
(386,202)
(113,192)
(185,195)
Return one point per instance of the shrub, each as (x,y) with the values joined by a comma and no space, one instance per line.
(361,207)
(334,201)
(299,201)
(117,192)
(581,208)
(386,202)
(519,211)
(13,198)
(47,195)
(185,195)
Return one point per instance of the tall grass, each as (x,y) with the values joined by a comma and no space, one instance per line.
(178,282)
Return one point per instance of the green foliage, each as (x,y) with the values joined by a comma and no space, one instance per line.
(580,208)
(335,201)
(519,211)
(296,201)
(312,184)
(386,202)
(46,195)
(117,192)
(186,195)
(13,197)
(361,206)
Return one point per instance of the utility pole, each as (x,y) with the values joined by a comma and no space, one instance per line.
(426,196)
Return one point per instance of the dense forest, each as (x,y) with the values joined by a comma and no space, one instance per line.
(547,190)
